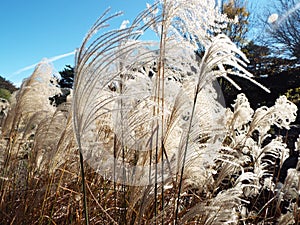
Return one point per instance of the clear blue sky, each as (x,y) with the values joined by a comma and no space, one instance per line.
(35,29)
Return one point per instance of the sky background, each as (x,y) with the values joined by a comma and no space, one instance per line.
(35,29)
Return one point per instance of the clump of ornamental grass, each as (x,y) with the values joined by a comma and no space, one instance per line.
(146,139)
(255,161)
(29,106)
(147,115)
(38,147)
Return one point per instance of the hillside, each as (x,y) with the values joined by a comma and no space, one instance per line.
(8,85)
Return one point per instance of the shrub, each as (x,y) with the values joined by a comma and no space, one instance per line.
(5,94)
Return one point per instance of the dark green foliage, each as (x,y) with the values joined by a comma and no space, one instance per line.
(6,84)
(4,93)
(67,77)
(257,55)
(293,95)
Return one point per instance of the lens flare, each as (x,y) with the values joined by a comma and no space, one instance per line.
(273,18)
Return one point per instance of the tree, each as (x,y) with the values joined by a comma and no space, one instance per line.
(257,55)
(67,77)
(237,28)
(65,83)
(6,84)
(283,28)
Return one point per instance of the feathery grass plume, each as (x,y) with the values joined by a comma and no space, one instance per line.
(288,193)
(53,138)
(31,100)
(220,209)
(127,55)
(31,105)
(196,22)
(29,109)
(145,110)
(247,152)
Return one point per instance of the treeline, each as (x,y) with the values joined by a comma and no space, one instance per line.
(6,88)
(8,85)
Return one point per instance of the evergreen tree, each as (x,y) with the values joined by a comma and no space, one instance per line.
(67,77)
(258,56)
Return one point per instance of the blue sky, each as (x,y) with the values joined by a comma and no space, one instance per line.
(35,29)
